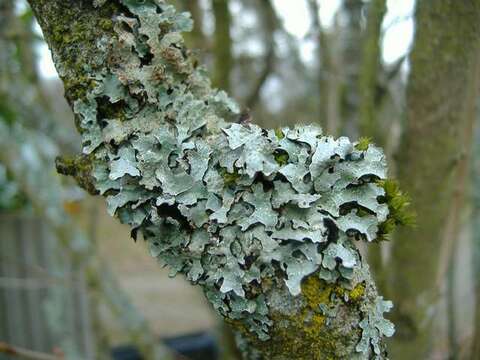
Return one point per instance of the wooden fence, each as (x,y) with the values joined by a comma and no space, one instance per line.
(43,303)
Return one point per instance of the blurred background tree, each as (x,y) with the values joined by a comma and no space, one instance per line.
(351,66)
(42,213)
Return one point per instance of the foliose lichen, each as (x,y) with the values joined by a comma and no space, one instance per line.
(230,206)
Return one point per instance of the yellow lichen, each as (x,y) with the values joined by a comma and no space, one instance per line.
(306,332)
(315,292)
(357,292)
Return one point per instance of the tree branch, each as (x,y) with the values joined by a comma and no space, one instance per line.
(371,62)
(264,221)
(270,22)
(222,48)
(327,72)
(25,353)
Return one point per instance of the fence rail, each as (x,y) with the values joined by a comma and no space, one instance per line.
(43,304)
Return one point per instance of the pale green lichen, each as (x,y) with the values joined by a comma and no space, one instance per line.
(374,327)
(230,206)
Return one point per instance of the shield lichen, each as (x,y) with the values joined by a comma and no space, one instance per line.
(244,212)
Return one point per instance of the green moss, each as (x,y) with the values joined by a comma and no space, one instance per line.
(306,333)
(78,87)
(363,143)
(399,209)
(107,110)
(71,36)
(106,24)
(279,134)
(80,168)
(281,157)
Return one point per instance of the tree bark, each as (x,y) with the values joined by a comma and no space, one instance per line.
(324,64)
(368,109)
(26,354)
(370,66)
(351,43)
(475,218)
(196,39)
(284,273)
(222,45)
(442,82)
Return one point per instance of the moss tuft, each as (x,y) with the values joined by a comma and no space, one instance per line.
(281,157)
(80,167)
(279,134)
(106,24)
(399,209)
(363,143)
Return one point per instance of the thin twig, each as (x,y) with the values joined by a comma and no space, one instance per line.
(271,22)
(27,354)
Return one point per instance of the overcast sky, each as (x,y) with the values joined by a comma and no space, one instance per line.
(397,25)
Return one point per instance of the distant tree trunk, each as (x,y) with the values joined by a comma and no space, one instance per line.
(269,23)
(196,39)
(368,108)
(476,237)
(7,11)
(369,71)
(222,47)
(324,65)
(351,42)
(451,313)
(431,161)
(332,61)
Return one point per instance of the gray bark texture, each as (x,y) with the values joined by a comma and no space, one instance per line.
(433,162)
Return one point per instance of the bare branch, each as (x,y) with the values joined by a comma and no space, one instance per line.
(271,22)
(26,354)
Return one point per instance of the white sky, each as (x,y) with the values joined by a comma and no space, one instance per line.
(398,28)
(398,24)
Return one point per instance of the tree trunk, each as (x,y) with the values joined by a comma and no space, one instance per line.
(325,72)
(351,42)
(370,66)
(431,160)
(269,24)
(222,203)
(222,45)
(196,39)
(476,236)
(369,124)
